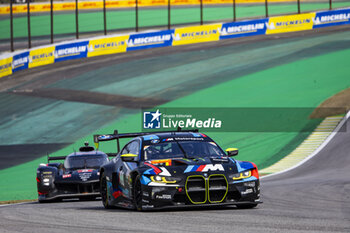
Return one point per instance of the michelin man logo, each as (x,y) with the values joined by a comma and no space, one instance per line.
(151,120)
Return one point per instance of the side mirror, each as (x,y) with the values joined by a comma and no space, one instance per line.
(232,151)
(129,158)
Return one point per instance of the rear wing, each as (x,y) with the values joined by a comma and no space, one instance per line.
(116,136)
(55,158)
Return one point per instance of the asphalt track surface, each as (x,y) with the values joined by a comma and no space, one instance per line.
(314,197)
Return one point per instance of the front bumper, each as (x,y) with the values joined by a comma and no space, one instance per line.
(242,192)
(69,190)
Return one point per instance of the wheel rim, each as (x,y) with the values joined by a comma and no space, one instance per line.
(138,194)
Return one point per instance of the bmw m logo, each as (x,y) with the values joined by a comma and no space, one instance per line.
(151,120)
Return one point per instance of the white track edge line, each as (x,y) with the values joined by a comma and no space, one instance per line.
(323,145)
(21,203)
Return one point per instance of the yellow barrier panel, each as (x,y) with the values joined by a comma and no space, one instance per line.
(5,67)
(290,23)
(197,34)
(41,56)
(105,46)
(45,7)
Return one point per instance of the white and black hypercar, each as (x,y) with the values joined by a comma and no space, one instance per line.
(77,177)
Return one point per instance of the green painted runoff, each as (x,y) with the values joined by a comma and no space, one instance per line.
(303,83)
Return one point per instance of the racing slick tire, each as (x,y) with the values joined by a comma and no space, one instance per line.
(103,191)
(246,206)
(137,194)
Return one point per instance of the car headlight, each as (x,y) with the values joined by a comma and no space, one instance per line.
(164,179)
(242,175)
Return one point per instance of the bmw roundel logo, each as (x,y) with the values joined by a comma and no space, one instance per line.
(205,174)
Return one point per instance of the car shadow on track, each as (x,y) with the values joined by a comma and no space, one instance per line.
(166,210)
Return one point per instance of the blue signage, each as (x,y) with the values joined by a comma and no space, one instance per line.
(244,28)
(331,18)
(20,61)
(71,51)
(150,40)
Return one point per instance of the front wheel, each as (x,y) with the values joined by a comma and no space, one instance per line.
(137,197)
(104,191)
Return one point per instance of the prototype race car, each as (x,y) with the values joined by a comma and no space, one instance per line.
(78,177)
(176,169)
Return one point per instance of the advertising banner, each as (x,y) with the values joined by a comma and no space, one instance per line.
(71,51)
(197,34)
(290,23)
(20,61)
(59,6)
(41,56)
(150,40)
(105,46)
(5,67)
(244,28)
(332,18)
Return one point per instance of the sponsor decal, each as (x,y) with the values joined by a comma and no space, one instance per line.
(85,176)
(71,51)
(47,172)
(163,197)
(290,23)
(249,184)
(168,139)
(245,28)
(105,46)
(41,56)
(155,141)
(332,18)
(223,159)
(147,206)
(85,170)
(163,162)
(146,194)
(196,34)
(189,139)
(247,191)
(204,168)
(5,67)
(150,40)
(20,61)
(66,176)
(105,137)
(121,178)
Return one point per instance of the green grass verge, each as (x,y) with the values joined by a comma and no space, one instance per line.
(124,19)
(304,83)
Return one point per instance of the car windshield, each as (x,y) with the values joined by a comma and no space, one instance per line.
(182,149)
(86,161)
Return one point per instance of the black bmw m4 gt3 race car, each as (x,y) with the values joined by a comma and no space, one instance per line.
(78,177)
(176,169)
